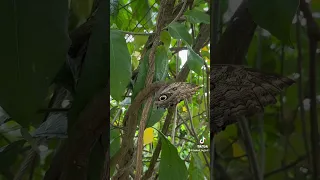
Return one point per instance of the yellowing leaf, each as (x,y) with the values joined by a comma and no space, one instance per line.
(237,150)
(184,109)
(148,136)
(205,49)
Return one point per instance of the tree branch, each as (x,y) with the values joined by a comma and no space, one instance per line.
(291,165)
(312,26)
(314,37)
(234,43)
(92,122)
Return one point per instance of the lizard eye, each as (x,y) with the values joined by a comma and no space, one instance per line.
(163,97)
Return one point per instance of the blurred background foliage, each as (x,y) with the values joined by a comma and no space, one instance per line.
(38,81)
(277,133)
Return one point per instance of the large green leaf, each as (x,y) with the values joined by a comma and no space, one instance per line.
(154,116)
(34,45)
(141,12)
(196,167)
(161,68)
(81,8)
(79,13)
(120,65)
(196,16)
(114,145)
(195,62)
(94,76)
(180,31)
(121,19)
(273,158)
(114,141)
(165,38)
(161,63)
(172,167)
(275,16)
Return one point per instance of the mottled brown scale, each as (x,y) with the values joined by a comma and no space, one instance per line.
(240,91)
(172,94)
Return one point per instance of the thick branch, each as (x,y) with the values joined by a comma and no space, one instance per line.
(91,124)
(314,37)
(312,26)
(232,47)
(131,120)
(79,37)
(234,43)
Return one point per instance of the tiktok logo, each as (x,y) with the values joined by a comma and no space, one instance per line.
(202,146)
(202,140)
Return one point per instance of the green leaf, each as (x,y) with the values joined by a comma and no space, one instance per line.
(196,16)
(141,12)
(291,97)
(195,62)
(114,141)
(172,167)
(114,145)
(120,65)
(94,75)
(155,116)
(180,31)
(161,63)
(224,6)
(274,156)
(196,167)
(34,45)
(161,68)
(81,8)
(9,154)
(223,145)
(165,38)
(139,41)
(275,16)
(143,70)
(121,19)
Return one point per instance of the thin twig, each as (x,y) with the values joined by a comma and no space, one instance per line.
(291,165)
(300,88)
(174,124)
(194,132)
(136,33)
(313,107)
(261,119)
(249,147)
